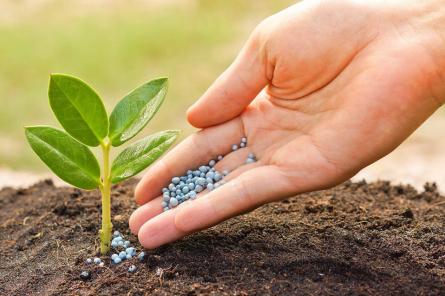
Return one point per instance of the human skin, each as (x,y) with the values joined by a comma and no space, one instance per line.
(321,90)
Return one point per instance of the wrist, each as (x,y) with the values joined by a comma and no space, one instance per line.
(428,18)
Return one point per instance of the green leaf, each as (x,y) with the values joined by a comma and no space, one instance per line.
(78,108)
(136,109)
(72,161)
(141,154)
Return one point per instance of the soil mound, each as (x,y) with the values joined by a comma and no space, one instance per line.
(355,239)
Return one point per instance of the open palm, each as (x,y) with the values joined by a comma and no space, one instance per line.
(319,94)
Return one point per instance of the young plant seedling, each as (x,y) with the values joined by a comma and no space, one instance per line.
(82,114)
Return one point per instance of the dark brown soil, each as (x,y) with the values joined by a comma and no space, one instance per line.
(355,239)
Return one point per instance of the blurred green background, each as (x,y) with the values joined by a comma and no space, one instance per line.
(114,46)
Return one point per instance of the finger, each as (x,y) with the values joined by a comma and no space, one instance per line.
(245,192)
(156,230)
(194,151)
(145,213)
(250,190)
(234,89)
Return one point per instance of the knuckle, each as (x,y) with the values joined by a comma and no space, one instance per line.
(261,35)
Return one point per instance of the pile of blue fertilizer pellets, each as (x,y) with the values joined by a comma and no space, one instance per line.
(123,251)
(205,177)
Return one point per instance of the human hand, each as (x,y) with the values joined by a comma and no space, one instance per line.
(321,90)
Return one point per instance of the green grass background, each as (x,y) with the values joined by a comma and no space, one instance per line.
(114,46)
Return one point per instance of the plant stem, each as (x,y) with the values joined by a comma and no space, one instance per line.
(105,189)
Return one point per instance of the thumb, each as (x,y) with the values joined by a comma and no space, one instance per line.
(237,86)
